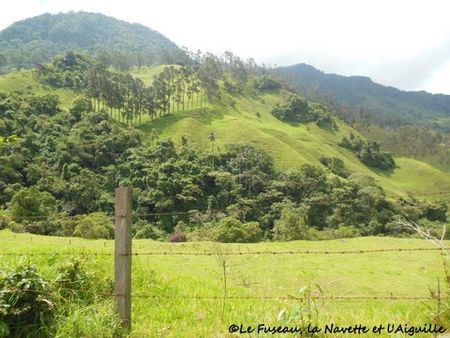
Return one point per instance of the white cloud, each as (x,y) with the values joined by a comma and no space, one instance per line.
(398,43)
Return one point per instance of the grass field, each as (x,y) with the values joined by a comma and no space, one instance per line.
(25,81)
(172,280)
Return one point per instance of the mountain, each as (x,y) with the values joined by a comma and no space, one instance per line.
(122,44)
(360,98)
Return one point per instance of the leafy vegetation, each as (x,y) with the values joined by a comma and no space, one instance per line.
(57,163)
(63,163)
(412,141)
(34,305)
(112,42)
(368,152)
(297,110)
(359,99)
(124,97)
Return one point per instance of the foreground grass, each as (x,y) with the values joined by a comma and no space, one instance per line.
(172,281)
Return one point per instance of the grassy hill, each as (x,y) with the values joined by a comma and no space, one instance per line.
(233,119)
(171,281)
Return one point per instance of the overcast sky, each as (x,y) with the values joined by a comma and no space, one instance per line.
(405,44)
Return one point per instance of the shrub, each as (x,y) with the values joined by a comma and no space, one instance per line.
(25,305)
(94,225)
(291,226)
(266,83)
(31,203)
(146,230)
(178,237)
(295,110)
(336,166)
(231,230)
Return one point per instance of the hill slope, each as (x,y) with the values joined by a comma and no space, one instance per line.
(41,38)
(380,104)
(234,120)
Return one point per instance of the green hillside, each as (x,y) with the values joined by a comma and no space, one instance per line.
(234,120)
(25,81)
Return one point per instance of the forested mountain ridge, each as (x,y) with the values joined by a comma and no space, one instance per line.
(361,99)
(114,42)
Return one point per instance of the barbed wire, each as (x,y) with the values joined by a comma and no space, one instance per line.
(390,297)
(193,211)
(225,253)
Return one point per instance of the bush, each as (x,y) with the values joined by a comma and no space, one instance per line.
(25,302)
(291,226)
(4,219)
(145,230)
(368,152)
(266,83)
(94,225)
(178,237)
(436,212)
(31,203)
(295,110)
(336,166)
(231,230)
(16,227)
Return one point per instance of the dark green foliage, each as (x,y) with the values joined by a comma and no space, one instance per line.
(368,152)
(26,303)
(267,83)
(114,42)
(231,230)
(295,110)
(411,141)
(336,165)
(34,306)
(69,163)
(436,212)
(31,203)
(357,98)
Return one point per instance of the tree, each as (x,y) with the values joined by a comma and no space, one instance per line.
(291,226)
(3,60)
(31,203)
(231,230)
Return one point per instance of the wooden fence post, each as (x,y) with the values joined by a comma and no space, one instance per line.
(122,256)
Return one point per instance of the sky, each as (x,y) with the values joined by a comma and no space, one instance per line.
(405,44)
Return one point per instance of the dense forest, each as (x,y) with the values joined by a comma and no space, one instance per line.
(113,42)
(358,98)
(59,169)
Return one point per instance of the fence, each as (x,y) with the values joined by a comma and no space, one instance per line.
(123,260)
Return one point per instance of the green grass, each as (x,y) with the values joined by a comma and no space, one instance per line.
(25,81)
(175,277)
(147,73)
